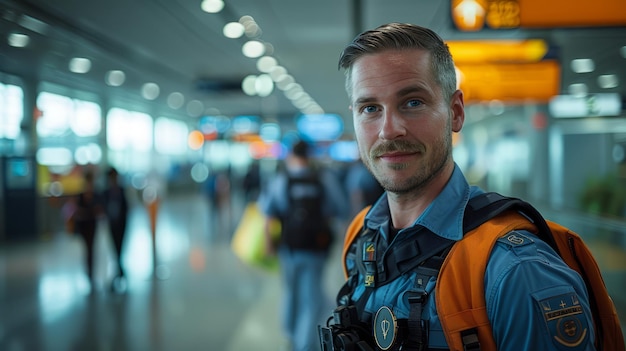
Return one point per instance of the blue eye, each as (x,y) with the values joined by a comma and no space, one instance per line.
(414,103)
(369,109)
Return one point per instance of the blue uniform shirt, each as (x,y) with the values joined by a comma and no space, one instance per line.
(521,280)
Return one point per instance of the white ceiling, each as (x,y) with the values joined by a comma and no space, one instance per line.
(176,45)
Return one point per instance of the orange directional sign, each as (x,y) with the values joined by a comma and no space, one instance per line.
(469,15)
(483,51)
(511,71)
(474,15)
(510,82)
(572,13)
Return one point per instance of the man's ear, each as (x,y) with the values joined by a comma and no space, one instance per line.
(457,111)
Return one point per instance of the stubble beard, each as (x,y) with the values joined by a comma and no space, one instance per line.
(429,169)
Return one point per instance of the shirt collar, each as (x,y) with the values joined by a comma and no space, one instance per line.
(444,216)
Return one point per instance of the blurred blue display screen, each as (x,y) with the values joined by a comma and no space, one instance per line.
(320,127)
(344,151)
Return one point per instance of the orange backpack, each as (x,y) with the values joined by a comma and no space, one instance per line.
(488,217)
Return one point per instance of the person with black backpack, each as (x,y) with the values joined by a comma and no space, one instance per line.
(305,199)
(436,263)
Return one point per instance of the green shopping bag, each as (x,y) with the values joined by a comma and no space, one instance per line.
(248,242)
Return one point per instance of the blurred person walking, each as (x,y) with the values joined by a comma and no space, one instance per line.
(85,218)
(305,199)
(116,210)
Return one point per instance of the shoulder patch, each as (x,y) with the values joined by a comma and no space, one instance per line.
(515,239)
(565,320)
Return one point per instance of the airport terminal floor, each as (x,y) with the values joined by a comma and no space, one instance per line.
(194,295)
(199,296)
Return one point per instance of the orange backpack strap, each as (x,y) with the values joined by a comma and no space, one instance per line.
(464,269)
(353,231)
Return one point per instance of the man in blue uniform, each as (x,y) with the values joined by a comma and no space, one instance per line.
(401,82)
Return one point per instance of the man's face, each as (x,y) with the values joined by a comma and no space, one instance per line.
(402,122)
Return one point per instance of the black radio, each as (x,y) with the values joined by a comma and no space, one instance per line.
(346,332)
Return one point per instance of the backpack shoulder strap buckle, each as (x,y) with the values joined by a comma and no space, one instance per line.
(470,340)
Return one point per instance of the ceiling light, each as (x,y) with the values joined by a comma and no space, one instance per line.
(252,29)
(18,40)
(248,85)
(150,91)
(212,6)
(266,64)
(33,24)
(293,91)
(583,65)
(608,81)
(246,19)
(175,100)
(195,108)
(264,85)
(578,89)
(233,30)
(277,73)
(115,78)
(284,81)
(253,49)
(80,65)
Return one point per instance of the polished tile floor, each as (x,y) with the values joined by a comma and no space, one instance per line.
(194,294)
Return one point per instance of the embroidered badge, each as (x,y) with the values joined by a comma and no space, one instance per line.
(565,319)
(515,239)
(369,261)
(369,251)
(385,328)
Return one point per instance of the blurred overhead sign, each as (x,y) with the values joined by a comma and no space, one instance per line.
(510,82)
(572,13)
(594,105)
(486,51)
(506,70)
(474,15)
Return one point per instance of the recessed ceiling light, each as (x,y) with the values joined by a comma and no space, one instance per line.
(33,24)
(176,100)
(150,91)
(583,65)
(233,30)
(283,82)
(277,72)
(212,6)
(266,64)
(608,81)
(264,85)
(115,78)
(252,29)
(578,89)
(195,108)
(248,85)
(253,49)
(80,65)
(18,40)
